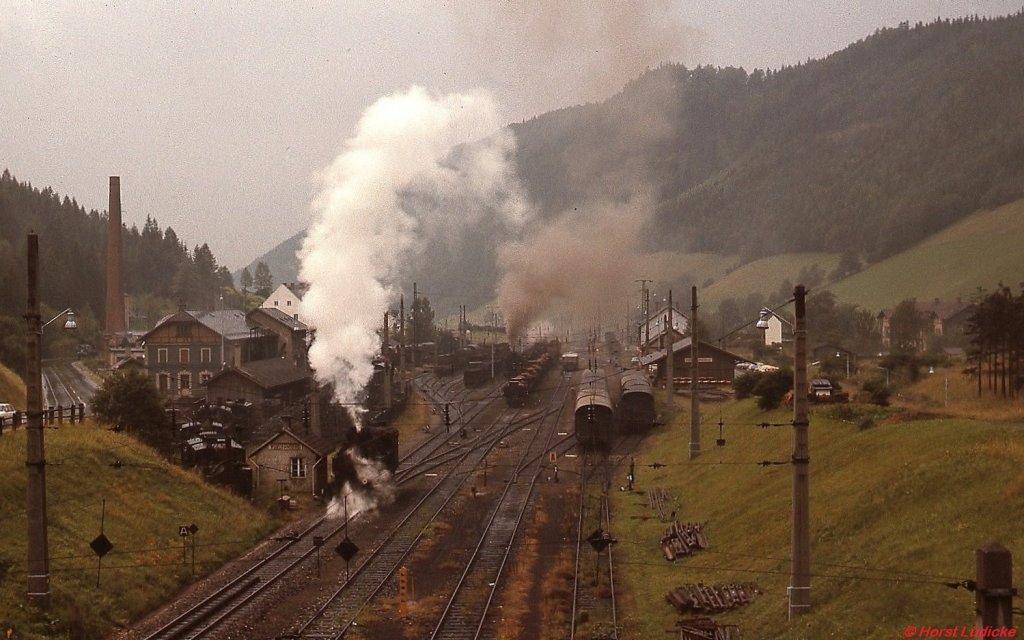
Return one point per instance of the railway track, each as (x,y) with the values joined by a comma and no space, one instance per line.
(590,600)
(64,385)
(434,477)
(335,617)
(227,606)
(464,615)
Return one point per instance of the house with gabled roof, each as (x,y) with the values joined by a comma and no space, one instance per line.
(290,462)
(187,349)
(258,380)
(286,298)
(946,319)
(714,365)
(289,334)
(184,349)
(652,330)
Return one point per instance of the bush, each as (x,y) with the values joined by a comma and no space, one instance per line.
(744,385)
(772,387)
(875,391)
(127,400)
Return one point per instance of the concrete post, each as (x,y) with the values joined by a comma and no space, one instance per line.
(994,591)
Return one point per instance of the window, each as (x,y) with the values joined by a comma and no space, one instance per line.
(275,303)
(183,355)
(204,377)
(289,303)
(163,381)
(205,354)
(183,330)
(298,467)
(184,381)
(161,356)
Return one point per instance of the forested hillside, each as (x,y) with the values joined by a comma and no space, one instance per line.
(159,270)
(862,154)
(866,151)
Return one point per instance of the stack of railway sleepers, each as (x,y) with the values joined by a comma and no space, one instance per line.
(701,598)
(707,629)
(683,540)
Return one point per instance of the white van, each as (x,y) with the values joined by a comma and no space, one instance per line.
(6,411)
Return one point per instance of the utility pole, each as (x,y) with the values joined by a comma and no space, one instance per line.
(694,370)
(415,329)
(401,337)
(645,308)
(800,564)
(387,363)
(35,460)
(670,371)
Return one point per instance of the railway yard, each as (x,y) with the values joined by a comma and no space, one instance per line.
(490,527)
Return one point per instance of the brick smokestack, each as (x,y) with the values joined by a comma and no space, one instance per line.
(115,288)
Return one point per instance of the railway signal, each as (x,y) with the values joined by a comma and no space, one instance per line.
(347,550)
(599,540)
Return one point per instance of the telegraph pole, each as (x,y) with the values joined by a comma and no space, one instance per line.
(35,460)
(800,564)
(669,381)
(401,337)
(387,363)
(645,307)
(694,406)
(415,338)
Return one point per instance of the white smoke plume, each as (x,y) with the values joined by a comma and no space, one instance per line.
(401,183)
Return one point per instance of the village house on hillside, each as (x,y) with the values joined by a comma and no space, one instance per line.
(946,321)
(652,333)
(286,298)
(186,349)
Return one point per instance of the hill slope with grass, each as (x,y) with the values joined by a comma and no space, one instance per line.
(898,507)
(12,389)
(979,251)
(141,504)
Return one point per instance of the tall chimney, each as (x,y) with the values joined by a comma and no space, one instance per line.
(115,327)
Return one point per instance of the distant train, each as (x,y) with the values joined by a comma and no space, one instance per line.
(530,367)
(594,414)
(570,361)
(484,362)
(636,409)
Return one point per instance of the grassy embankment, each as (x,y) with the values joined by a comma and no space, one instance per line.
(12,388)
(146,500)
(900,500)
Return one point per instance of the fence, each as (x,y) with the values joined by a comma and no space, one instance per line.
(51,416)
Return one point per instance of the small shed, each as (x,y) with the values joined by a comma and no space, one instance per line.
(821,389)
(290,464)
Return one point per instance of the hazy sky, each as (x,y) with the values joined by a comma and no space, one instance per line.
(217,114)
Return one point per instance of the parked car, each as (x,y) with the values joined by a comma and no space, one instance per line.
(6,411)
